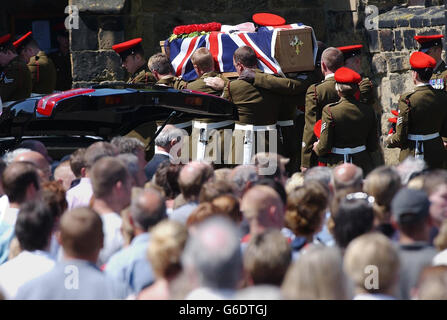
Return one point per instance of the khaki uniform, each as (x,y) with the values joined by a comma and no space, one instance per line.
(208,134)
(439,78)
(62,64)
(347,123)
(317,96)
(43,73)
(15,81)
(142,76)
(256,126)
(421,112)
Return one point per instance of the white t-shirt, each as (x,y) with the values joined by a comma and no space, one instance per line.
(440,259)
(113,238)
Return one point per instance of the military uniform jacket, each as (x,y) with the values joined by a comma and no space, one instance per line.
(15,81)
(422,111)
(43,73)
(255,105)
(348,124)
(439,78)
(63,70)
(142,76)
(317,96)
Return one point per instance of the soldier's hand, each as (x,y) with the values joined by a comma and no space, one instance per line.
(387,140)
(248,75)
(215,82)
(315,146)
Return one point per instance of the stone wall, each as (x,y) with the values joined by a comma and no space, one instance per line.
(390,48)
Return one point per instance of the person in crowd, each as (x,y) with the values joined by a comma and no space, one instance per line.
(229,204)
(64,174)
(213,189)
(305,214)
(81,194)
(36,145)
(440,243)
(76,277)
(275,185)
(271,165)
(191,179)
(410,215)
(135,147)
(222,174)
(347,176)
(130,265)
(243,177)
(204,211)
(77,165)
(111,184)
(432,284)
(131,161)
(318,275)
(36,158)
(168,239)
(212,260)
(166,177)
(33,230)
(383,183)
(267,258)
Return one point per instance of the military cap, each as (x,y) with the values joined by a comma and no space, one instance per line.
(127,48)
(22,41)
(346,75)
(420,60)
(351,51)
(427,42)
(4,39)
(268,19)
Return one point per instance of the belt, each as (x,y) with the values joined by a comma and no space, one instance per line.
(182,125)
(422,137)
(212,125)
(251,127)
(346,152)
(285,123)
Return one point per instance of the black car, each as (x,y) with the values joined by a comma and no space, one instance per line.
(67,120)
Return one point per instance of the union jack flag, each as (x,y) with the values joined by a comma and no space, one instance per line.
(222,46)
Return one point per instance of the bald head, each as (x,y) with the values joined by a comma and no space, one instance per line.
(348,175)
(147,209)
(192,177)
(331,60)
(38,160)
(263,206)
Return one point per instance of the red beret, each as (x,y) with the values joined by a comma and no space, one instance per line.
(351,51)
(22,40)
(121,47)
(5,38)
(346,75)
(317,129)
(427,42)
(420,60)
(268,19)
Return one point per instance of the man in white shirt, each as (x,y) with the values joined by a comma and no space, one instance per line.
(112,184)
(33,230)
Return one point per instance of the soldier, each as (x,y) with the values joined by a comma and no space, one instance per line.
(432,45)
(348,127)
(422,116)
(61,59)
(207,134)
(15,78)
(352,56)
(317,96)
(257,109)
(43,71)
(133,60)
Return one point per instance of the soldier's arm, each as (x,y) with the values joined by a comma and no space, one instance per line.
(9,83)
(400,137)
(327,133)
(280,85)
(368,95)
(310,119)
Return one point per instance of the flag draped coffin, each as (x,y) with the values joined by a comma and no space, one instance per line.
(272,46)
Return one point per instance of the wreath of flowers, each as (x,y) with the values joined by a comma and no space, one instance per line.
(194,30)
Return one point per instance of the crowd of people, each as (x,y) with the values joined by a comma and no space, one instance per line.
(94,226)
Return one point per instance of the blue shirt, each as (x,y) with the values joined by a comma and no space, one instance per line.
(6,235)
(130,265)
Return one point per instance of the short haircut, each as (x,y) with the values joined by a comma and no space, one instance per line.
(34,225)
(242,176)
(105,173)
(275,185)
(77,161)
(229,205)
(131,162)
(160,62)
(321,174)
(16,179)
(424,74)
(53,194)
(146,217)
(354,218)
(245,56)
(267,258)
(332,58)
(347,89)
(432,284)
(81,232)
(372,249)
(98,150)
(167,135)
(213,189)
(166,177)
(164,251)
(203,59)
(306,208)
(127,144)
(433,179)
(191,179)
(202,212)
